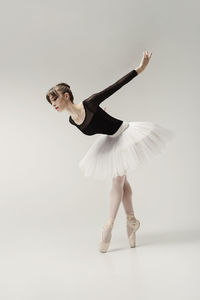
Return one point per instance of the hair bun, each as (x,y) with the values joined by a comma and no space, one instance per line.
(64,84)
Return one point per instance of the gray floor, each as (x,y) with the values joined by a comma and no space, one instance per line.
(46,263)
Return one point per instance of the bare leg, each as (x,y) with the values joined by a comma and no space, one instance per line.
(127,198)
(132,223)
(116,195)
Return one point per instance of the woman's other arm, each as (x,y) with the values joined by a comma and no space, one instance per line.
(97,98)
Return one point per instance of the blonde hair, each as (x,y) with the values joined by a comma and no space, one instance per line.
(62,88)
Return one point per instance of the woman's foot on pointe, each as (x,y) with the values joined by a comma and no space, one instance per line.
(106,236)
(132,226)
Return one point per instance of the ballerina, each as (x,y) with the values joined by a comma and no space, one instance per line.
(121,146)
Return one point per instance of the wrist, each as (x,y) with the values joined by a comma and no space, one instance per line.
(139,69)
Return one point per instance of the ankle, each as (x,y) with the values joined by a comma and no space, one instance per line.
(110,222)
(130,216)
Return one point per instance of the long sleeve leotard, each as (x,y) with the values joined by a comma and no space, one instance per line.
(96,119)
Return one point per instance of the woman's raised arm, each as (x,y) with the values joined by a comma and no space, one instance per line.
(97,98)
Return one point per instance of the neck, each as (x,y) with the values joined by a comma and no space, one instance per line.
(73,109)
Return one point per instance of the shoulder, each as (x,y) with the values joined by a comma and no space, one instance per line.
(90,104)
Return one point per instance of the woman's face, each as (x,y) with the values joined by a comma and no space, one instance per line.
(60,103)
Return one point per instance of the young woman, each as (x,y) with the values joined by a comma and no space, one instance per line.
(120,147)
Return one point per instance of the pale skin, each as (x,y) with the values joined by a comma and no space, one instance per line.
(121,189)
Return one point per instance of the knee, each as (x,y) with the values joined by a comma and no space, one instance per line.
(119,180)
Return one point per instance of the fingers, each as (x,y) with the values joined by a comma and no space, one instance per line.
(147,55)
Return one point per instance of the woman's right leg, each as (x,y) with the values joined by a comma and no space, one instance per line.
(116,195)
(127,198)
(132,223)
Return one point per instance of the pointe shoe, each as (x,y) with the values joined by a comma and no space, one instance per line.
(106,236)
(132,226)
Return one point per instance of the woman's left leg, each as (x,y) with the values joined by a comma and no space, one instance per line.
(116,195)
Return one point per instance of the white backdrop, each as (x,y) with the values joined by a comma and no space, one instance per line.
(50,215)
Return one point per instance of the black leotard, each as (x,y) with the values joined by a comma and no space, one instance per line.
(96,119)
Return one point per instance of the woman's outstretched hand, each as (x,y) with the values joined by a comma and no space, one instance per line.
(144,62)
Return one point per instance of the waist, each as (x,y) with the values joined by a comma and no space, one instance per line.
(123,127)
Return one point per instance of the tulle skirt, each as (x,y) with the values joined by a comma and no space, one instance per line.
(133,144)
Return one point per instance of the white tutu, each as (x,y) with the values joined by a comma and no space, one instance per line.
(133,144)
